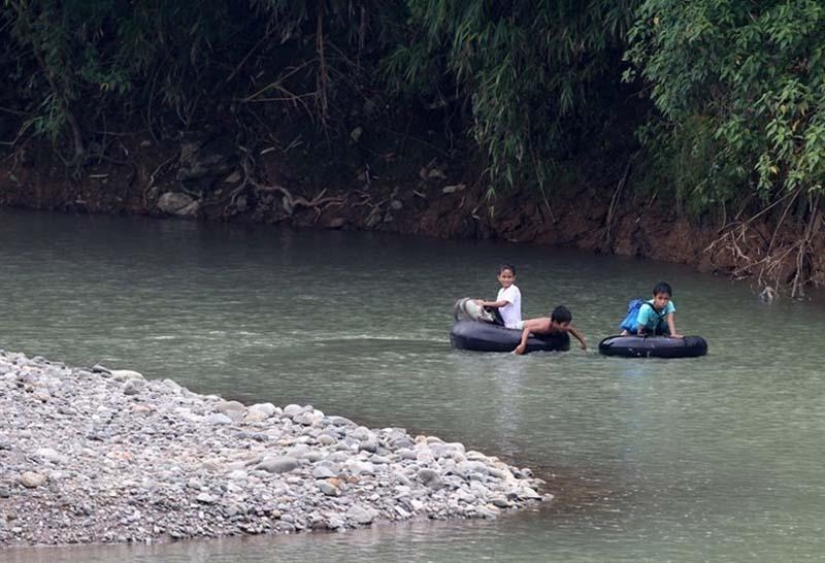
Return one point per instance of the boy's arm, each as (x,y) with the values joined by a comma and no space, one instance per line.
(671,325)
(522,346)
(494,304)
(539,325)
(641,321)
(579,336)
(503,299)
(536,326)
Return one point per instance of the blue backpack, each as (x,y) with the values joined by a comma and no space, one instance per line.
(633,307)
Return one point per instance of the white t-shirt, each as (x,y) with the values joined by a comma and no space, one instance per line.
(510,313)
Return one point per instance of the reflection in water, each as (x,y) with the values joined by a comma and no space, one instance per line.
(404,542)
(710,459)
(509,388)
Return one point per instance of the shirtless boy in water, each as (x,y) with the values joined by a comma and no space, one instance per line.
(558,321)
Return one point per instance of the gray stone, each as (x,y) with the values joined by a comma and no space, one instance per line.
(368,446)
(426,475)
(327,440)
(501,502)
(340,421)
(328,489)
(32,480)
(133,387)
(126,375)
(309,418)
(260,412)
(206,498)
(361,515)
(49,455)
(402,479)
(361,468)
(405,453)
(218,419)
(233,409)
(178,204)
(322,472)
(278,464)
(291,411)
(172,386)
(528,493)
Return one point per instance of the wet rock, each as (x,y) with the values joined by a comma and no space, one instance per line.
(206,158)
(178,204)
(361,515)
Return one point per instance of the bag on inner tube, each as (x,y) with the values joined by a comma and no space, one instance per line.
(629,322)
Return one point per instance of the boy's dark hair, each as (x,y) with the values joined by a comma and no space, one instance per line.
(561,314)
(507,267)
(662,287)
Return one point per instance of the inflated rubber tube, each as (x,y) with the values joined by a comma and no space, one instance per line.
(486,337)
(632,346)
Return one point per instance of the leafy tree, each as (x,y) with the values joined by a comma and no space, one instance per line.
(84,57)
(740,84)
(97,57)
(541,78)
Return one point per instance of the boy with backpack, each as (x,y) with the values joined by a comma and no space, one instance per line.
(654,317)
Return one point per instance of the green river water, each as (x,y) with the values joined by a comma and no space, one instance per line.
(717,458)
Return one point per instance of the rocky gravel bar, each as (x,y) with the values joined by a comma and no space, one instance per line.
(93,455)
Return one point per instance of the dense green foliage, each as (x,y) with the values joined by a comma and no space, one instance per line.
(737,85)
(541,77)
(74,62)
(740,85)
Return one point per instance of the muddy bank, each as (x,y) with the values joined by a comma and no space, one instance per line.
(210,178)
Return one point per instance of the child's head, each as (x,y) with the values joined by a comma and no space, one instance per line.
(506,275)
(561,317)
(662,293)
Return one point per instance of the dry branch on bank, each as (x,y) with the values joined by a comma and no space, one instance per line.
(776,263)
(289,202)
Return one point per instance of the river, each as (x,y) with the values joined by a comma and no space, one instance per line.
(710,459)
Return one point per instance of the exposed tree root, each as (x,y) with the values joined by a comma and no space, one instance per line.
(289,202)
(153,177)
(770,261)
(803,255)
(609,226)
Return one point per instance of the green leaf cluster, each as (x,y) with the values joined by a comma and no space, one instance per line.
(161,57)
(732,90)
(540,78)
(739,84)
